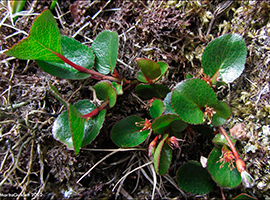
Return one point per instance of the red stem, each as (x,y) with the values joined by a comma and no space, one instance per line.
(93,74)
(95,111)
(240,164)
(235,153)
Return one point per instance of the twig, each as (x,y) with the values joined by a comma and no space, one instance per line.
(154,181)
(16,162)
(107,156)
(130,173)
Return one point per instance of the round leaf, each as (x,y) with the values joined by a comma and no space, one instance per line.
(126,133)
(225,55)
(162,156)
(61,127)
(163,68)
(192,177)
(162,124)
(156,108)
(74,51)
(222,175)
(105,47)
(223,113)
(219,139)
(150,91)
(118,87)
(149,68)
(105,91)
(189,99)
(141,77)
(167,101)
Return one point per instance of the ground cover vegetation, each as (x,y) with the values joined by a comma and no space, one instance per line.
(180,88)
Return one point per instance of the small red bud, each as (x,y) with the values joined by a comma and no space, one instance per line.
(240,164)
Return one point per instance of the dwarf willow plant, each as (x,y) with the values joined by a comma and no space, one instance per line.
(191,102)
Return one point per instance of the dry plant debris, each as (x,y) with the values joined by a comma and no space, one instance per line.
(174,31)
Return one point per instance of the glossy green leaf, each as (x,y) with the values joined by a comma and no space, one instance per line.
(127,133)
(156,108)
(222,175)
(105,91)
(74,51)
(16,6)
(189,99)
(193,178)
(219,139)
(188,76)
(53,4)
(167,101)
(43,38)
(162,156)
(223,113)
(178,126)
(118,87)
(162,124)
(76,124)
(225,57)
(149,68)
(146,91)
(61,128)
(163,68)
(141,77)
(105,47)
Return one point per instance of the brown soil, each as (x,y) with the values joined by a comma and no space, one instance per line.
(35,165)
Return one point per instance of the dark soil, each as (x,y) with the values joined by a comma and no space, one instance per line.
(35,165)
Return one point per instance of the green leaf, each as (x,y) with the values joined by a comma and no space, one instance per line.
(74,51)
(219,139)
(118,87)
(16,7)
(61,127)
(222,175)
(146,91)
(223,113)
(105,91)
(141,77)
(225,57)
(43,38)
(189,75)
(162,124)
(162,156)
(127,133)
(76,124)
(163,68)
(167,101)
(189,99)
(105,47)
(178,126)
(193,178)
(156,108)
(149,68)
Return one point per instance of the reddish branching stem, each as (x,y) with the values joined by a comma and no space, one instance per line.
(240,164)
(95,111)
(94,74)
